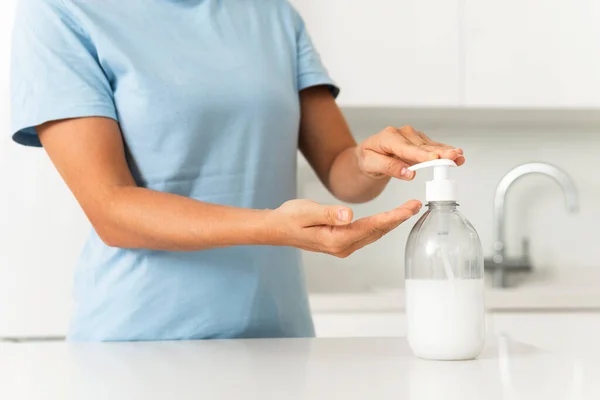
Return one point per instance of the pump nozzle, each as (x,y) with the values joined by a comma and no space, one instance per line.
(440,162)
(440,188)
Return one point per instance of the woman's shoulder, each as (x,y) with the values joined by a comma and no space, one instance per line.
(54,5)
(48,16)
(287,10)
(58,9)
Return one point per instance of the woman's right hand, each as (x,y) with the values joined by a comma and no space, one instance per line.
(329,229)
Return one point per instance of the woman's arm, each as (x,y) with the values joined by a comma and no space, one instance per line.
(328,146)
(89,154)
(359,173)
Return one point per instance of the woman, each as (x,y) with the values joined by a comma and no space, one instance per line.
(176,126)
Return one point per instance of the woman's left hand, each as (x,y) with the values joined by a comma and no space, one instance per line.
(393,150)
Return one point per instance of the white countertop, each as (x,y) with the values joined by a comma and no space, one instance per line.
(568,290)
(358,368)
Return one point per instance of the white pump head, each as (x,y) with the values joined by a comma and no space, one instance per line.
(440,188)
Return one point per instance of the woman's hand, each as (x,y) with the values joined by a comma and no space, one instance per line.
(393,150)
(329,229)
(352,173)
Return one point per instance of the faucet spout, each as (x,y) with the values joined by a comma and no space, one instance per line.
(561,177)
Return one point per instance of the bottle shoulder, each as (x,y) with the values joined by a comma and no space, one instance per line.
(440,221)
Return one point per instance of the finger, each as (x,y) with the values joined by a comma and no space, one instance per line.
(380,224)
(414,136)
(387,221)
(360,244)
(374,235)
(460,160)
(379,164)
(399,146)
(443,150)
(317,214)
(427,140)
(420,139)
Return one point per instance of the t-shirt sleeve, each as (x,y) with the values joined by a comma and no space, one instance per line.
(55,73)
(311,71)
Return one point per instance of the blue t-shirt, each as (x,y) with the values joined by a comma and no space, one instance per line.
(206,95)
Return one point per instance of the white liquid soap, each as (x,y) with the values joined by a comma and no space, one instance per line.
(446,318)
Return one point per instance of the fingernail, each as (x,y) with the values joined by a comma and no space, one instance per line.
(407,173)
(433,156)
(343,215)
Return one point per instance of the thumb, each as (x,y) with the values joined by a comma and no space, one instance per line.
(328,215)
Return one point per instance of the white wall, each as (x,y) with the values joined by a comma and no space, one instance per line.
(536,206)
(41,227)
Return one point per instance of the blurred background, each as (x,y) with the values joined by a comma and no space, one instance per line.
(512,83)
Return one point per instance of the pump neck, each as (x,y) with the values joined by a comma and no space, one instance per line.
(442,205)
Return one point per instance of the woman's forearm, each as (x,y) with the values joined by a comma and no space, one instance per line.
(348,183)
(328,145)
(141,218)
(134,217)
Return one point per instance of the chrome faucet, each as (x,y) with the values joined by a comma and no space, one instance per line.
(499,264)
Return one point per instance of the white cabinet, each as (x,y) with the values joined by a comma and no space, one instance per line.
(455,53)
(532,53)
(388,52)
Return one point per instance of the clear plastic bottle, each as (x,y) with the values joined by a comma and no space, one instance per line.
(444,277)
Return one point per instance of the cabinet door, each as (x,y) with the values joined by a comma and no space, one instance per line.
(388,52)
(360,324)
(532,53)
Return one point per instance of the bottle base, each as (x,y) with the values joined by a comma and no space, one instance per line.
(446,358)
(465,355)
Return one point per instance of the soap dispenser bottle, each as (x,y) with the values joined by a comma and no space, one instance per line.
(444,276)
